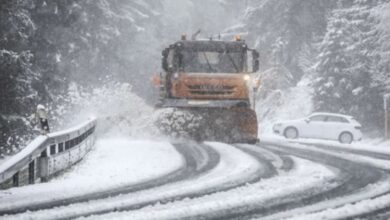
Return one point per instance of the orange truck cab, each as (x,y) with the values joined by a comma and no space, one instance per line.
(207,74)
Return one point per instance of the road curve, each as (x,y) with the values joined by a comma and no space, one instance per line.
(353,176)
(223,181)
(198,159)
(202,162)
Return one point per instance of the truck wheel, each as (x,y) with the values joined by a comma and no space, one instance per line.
(346,138)
(291,133)
(253,141)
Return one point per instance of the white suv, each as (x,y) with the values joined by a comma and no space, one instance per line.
(328,126)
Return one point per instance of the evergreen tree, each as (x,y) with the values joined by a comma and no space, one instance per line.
(16,74)
(346,67)
(382,14)
(284,29)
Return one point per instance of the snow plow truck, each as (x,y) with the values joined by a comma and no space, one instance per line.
(205,90)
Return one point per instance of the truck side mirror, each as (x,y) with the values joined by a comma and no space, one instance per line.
(165,59)
(256,62)
(156,79)
(256,66)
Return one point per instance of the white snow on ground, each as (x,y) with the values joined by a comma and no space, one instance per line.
(372,145)
(355,207)
(368,145)
(381,163)
(275,159)
(112,163)
(234,166)
(303,176)
(344,206)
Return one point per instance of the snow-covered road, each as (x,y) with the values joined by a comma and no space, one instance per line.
(112,165)
(126,179)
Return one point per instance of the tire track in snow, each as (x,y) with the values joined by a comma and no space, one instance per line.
(227,185)
(197,160)
(269,206)
(218,205)
(359,175)
(352,177)
(208,181)
(378,213)
(376,155)
(275,162)
(334,146)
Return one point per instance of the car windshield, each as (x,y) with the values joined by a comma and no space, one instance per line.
(336,119)
(212,62)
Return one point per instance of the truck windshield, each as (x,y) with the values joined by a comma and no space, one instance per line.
(212,62)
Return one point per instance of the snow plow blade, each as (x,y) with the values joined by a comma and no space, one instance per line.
(230,125)
(185,103)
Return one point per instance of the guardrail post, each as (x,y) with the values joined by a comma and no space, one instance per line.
(43,168)
(42,163)
(31,172)
(386,121)
(15,179)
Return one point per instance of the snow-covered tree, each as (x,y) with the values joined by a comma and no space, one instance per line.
(17,77)
(347,66)
(382,14)
(281,29)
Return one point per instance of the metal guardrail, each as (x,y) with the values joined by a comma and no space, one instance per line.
(47,155)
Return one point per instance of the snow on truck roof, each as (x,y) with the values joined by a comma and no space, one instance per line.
(331,114)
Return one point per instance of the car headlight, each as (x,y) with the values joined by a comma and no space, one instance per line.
(247,77)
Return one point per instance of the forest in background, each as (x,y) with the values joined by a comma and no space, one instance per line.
(48,47)
(340,46)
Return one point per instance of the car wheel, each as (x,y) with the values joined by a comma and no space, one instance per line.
(346,138)
(291,133)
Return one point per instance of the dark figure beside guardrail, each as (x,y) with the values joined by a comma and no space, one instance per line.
(41,117)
